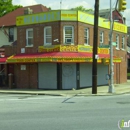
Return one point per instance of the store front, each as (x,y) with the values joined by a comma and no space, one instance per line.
(47,75)
(65,67)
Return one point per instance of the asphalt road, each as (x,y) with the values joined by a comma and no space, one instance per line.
(34,112)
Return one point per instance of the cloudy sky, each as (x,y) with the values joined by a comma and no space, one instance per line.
(67,4)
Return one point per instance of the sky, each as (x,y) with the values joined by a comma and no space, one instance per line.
(67,4)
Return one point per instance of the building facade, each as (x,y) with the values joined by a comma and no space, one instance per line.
(8,37)
(116,15)
(54,51)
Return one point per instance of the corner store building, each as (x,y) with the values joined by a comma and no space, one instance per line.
(65,63)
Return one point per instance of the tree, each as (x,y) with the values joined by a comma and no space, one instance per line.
(81,8)
(6,6)
(49,8)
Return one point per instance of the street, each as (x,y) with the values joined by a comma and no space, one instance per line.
(40,112)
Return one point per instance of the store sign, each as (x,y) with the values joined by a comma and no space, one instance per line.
(68,48)
(119,27)
(104,46)
(89,19)
(103,51)
(72,59)
(38,18)
(78,48)
(28,60)
(53,48)
(82,48)
(51,59)
(67,15)
(115,60)
(22,60)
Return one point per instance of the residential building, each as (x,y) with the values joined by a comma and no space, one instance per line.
(116,15)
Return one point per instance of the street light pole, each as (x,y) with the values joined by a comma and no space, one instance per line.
(111,85)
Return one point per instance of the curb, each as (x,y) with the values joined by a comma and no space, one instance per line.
(66,94)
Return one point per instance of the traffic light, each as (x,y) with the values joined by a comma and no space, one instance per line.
(122,5)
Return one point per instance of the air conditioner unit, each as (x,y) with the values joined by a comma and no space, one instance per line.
(68,40)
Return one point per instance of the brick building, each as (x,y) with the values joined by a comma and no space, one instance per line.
(54,51)
(8,37)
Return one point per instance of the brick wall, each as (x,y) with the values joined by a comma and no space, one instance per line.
(38,36)
(28,78)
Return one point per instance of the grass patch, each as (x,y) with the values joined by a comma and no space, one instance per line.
(128,74)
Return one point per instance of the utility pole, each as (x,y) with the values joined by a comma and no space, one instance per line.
(111,85)
(95,44)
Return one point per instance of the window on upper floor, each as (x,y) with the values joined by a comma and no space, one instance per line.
(68,33)
(123,43)
(101,37)
(47,35)
(29,37)
(11,34)
(86,36)
(117,41)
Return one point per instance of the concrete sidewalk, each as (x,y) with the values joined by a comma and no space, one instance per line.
(101,91)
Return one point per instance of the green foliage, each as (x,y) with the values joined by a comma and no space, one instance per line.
(128,74)
(81,8)
(6,6)
(49,8)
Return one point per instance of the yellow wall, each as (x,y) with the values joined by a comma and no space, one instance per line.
(67,15)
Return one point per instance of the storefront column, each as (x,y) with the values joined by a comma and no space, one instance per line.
(78,75)
(59,76)
(10,80)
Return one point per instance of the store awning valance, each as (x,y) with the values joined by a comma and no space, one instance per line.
(55,57)
(3,60)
